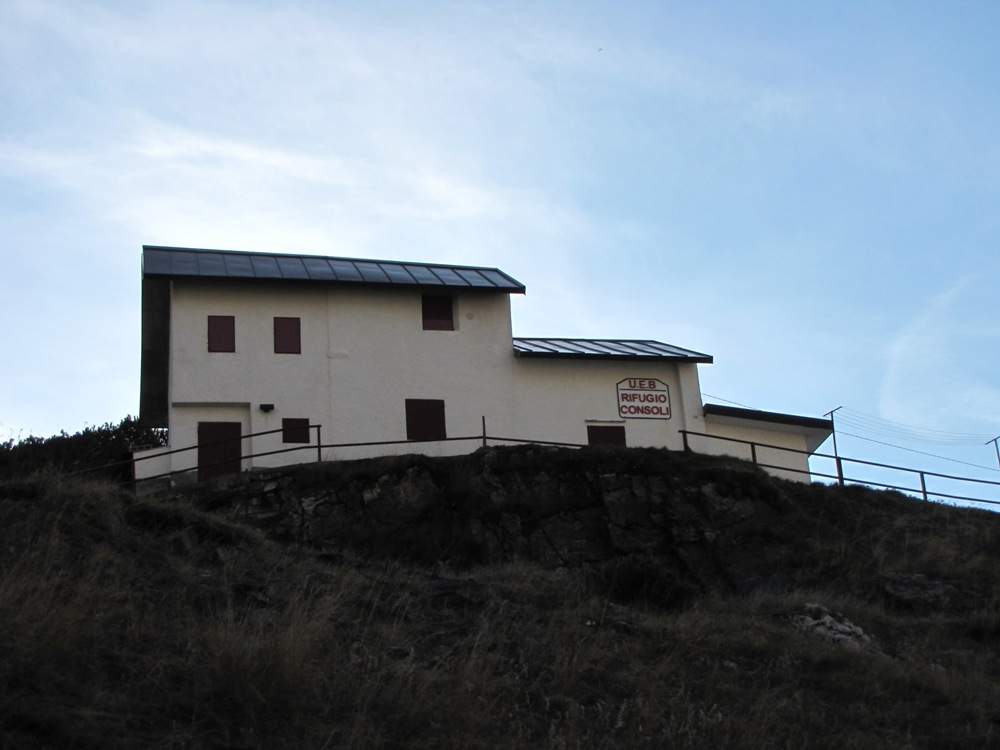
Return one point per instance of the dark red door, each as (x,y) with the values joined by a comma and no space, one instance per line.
(218,449)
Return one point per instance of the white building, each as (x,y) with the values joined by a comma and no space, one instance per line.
(323,354)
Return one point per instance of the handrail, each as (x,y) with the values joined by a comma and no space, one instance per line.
(841,479)
(485,438)
(158,454)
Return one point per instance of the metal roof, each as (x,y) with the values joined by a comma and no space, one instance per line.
(183,262)
(606,349)
(757,415)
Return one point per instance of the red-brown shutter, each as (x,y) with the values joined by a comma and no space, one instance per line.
(221,333)
(287,336)
(438,313)
(295,430)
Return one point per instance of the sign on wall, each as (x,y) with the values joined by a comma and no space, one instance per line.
(643,398)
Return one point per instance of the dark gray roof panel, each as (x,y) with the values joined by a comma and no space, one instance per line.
(422,275)
(449,276)
(624,349)
(397,273)
(473,277)
(183,262)
(265,267)
(345,270)
(371,272)
(155,262)
(318,269)
(495,277)
(211,263)
(292,268)
(238,266)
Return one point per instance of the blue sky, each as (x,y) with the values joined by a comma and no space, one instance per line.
(810,192)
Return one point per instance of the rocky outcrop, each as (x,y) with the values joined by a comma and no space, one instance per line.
(651,523)
(646,524)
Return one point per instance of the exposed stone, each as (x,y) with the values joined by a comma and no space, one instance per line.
(918,592)
(553,507)
(834,627)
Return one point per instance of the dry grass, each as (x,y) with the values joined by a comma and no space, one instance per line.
(128,623)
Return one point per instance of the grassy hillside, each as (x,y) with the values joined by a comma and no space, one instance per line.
(151,623)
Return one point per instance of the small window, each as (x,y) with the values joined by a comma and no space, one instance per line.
(287,336)
(425,419)
(438,313)
(221,333)
(609,434)
(295,430)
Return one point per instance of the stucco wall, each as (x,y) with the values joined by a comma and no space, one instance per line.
(364,352)
(796,463)
(556,400)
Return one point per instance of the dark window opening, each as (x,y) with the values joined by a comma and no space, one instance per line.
(605,434)
(295,430)
(287,336)
(221,333)
(425,419)
(438,313)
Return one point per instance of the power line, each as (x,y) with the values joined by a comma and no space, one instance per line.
(923,453)
(911,433)
(735,403)
(888,428)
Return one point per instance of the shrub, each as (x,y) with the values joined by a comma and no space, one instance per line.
(103,451)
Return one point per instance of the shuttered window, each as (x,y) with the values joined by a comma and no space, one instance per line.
(287,336)
(438,313)
(221,333)
(295,430)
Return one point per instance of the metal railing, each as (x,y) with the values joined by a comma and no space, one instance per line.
(755,447)
(843,479)
(319,446)
(158,454)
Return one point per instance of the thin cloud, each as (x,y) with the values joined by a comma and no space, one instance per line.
(927,380)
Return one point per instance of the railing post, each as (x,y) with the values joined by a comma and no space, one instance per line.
(484,430)
(923,486)
(753,452)
(684,434)
(840,472)
(319,442)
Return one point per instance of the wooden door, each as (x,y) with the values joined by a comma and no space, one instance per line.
(219,447)
(605,434)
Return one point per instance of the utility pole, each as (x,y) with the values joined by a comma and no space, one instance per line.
(836,456)
(995,447)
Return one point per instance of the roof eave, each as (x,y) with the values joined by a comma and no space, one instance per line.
(699,359)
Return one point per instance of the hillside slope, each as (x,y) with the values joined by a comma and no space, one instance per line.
(513,598)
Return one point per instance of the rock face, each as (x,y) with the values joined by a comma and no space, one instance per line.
(647,524)
(657,524)
(915,591)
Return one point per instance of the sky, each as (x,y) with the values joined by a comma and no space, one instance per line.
(809,192)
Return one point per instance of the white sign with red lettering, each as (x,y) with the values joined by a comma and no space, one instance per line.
(643,398)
